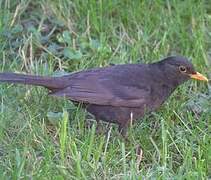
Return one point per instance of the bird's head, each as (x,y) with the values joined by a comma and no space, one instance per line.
(180,69)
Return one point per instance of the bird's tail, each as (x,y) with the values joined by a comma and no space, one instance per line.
(51,83)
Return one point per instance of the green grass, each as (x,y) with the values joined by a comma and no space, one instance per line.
(42,137)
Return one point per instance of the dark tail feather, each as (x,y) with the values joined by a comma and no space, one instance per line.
(48,82)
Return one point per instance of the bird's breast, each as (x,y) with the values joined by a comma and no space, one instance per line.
(159,93)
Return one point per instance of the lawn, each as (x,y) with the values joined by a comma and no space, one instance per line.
(43,137)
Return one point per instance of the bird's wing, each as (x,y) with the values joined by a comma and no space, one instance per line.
(105,92)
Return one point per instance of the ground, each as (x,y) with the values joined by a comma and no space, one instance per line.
(43,137)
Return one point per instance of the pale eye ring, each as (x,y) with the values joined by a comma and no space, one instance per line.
(182,69)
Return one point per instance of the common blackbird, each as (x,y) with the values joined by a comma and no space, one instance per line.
(117,93)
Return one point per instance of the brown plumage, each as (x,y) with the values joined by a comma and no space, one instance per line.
(116,93)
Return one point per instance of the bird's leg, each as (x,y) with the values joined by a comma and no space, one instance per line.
(123,131)
(108,127)
(98,126)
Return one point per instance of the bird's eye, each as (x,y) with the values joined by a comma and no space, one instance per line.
(182,69)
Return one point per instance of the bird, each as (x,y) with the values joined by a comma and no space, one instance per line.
(117,93)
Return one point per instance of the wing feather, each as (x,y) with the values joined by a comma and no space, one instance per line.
(123,96)
(114,86)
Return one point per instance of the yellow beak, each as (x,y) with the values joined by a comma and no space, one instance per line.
(198,76)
